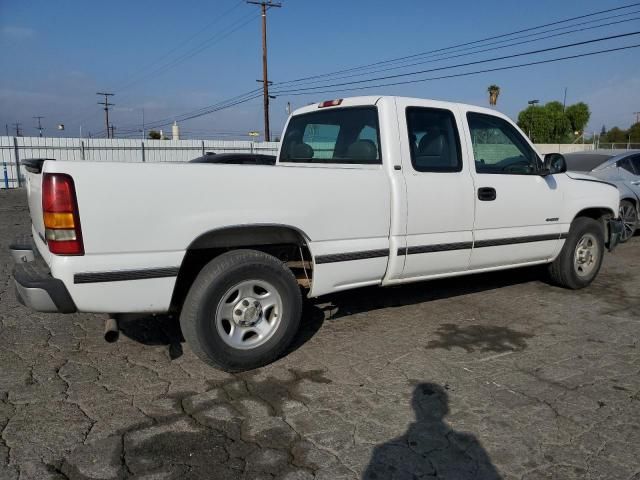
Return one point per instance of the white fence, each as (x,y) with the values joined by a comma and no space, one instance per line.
(14,149)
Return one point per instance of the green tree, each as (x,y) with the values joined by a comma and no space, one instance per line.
(579,115)
(616,135)
(634,132)
(154,135)
(551,123)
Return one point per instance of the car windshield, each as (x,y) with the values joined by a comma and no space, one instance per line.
(585,162)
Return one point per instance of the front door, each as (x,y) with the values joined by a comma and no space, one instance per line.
(517,210)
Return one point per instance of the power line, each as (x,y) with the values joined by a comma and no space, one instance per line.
(106,108)
(188,39)
(505,57)
(465,74)
(245,97)
(593,14)
(476,51)
(191,53)
(201,46)
(248,96)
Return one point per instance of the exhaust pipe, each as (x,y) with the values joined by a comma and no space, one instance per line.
(111,330)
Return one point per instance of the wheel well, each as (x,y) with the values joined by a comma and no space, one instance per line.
(595,213)
(600,214)
(632,200)
(285,243)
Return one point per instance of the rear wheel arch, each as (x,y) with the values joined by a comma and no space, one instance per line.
(287,243)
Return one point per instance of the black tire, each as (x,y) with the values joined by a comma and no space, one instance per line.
(563,271)
(629,215)
(198,318)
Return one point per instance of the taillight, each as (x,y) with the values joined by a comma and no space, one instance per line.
(61,217)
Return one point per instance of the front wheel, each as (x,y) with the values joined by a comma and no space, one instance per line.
(581,256)
(242,310)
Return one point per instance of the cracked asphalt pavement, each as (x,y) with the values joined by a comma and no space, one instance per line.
(488,376)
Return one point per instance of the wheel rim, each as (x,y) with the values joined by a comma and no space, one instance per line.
(629,219)
(248,314)
(586,255)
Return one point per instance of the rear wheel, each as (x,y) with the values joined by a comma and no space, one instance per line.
(242,311)
(629,216)
(581,256)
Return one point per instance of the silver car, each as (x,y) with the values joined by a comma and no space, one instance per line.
(621,169)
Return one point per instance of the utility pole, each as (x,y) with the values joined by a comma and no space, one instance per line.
(265,76)
(39,125)
(6,127)
(18,132)
(106,108)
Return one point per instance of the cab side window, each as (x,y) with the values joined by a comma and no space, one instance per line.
(498,148)
(433,140)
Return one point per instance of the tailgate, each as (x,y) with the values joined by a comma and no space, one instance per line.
(34,193)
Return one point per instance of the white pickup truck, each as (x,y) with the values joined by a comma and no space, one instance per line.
(365,191)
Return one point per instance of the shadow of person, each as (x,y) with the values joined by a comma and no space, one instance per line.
(430,448)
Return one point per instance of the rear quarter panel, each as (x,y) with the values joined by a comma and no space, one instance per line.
(146,216)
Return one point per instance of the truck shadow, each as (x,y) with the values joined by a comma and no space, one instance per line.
(342,304)
(165,329)
(161,330)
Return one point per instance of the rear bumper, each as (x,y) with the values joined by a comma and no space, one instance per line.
(34,285)
(615,229)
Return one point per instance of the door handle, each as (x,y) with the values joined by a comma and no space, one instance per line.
(486,194)
(637,182)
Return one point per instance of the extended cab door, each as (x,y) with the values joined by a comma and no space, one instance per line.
(439,190)
(517,211)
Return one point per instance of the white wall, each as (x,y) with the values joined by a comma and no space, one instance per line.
(544,148)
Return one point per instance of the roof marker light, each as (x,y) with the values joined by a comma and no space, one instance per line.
(330,103)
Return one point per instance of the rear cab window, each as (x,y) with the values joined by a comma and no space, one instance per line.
(433,140)
(349,135)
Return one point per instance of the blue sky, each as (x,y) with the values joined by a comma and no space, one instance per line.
(56,55)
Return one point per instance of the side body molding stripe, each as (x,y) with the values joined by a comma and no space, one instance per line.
(515,240)
(447,247)
(345,257)
(143,274)
(124,275)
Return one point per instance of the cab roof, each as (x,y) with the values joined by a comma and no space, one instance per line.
(375,99)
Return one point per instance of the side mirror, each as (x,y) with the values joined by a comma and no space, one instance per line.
(554,163)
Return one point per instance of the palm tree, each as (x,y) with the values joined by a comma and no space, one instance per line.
(494,91)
